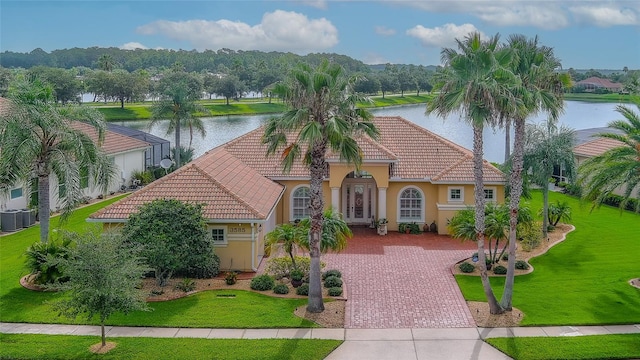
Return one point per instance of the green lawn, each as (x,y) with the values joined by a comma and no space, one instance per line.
(583,280)
(21,346)
(624,346)
(609,98)
(206,309)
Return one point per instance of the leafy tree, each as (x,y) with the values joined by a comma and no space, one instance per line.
(335,232)
(229,86)
(617,168)
(473,82)
(66,87)
(5,79)
(38,140)
(171,233)
(540,89)
(322,116)
(388,83)
(179,92)
(367,84)
(289,235)
(125,86)
(104,275)
(547,146)
(106,62)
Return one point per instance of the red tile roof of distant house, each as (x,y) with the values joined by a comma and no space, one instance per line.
(600,83)
(596,147)
(113,142)
(228,188)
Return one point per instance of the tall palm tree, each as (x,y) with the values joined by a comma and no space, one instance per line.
(617,168)
(546,146)
(322,116)
(179,92)
(474,80)
(37,140)
(540,90)
(106,62)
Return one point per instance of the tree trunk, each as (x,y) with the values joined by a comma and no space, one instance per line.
(177,146)
(122,103)
(494,307)
(104,337)
(507,140)
(44,208)
(315,304)
(545,211)
(515,182)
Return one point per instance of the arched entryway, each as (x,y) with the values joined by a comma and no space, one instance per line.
(358,198)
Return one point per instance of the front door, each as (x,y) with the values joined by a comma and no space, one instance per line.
(358,201)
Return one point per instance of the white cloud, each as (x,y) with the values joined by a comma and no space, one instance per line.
(548,15)
(374,59)
(605,16)
(442,36)
(132,46)
(385,31)
(279,31)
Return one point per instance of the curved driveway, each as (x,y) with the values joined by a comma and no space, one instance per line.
(402,280)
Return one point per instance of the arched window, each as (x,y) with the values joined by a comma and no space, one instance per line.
(300,203)
(411,205)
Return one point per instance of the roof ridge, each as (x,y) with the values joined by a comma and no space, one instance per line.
(449,168)
(380,146)
(251,209)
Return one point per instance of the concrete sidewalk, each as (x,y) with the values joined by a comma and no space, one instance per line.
(396,344)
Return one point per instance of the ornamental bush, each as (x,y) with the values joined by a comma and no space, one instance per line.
(522,265)
(499,270)
(281,289)
(262,283)
(332,281)
(303,290)
(43,260)
(335,291)
(332,272)
(466,267)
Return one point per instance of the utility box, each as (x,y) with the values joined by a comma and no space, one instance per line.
(11,220)
(28,217)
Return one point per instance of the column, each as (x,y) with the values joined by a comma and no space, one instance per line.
(382,202)
(335,198)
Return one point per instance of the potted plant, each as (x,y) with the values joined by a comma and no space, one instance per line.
(382,226)
(230,277)
(296,277)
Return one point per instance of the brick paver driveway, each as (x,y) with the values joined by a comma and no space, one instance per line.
(402,280)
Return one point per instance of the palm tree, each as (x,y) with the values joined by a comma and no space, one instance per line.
(289,235)
(38,140)
(473,82)
(559,211)
(322,116)
(106,62)
(540,90)
(617,168)
(179,92)
(335,232)
(547,146)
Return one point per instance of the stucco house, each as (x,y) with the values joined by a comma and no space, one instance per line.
(595,83)
(408,175)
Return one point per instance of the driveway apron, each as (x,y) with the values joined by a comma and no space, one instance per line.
(402,280)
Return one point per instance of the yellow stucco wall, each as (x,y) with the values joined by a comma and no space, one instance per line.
(283,210)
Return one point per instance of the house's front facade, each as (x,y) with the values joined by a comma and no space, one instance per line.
(408,175)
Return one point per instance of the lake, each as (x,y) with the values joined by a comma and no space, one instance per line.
(577,115)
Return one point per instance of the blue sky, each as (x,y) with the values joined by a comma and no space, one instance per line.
(584,33)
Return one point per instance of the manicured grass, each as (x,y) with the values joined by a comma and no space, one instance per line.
(623,346)
(583,280)
(245,310)
(396,99)
(609,98)
(243,108)
(130,112)
(21,346)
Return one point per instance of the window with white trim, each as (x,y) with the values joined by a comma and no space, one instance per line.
(490,194)
(456,194)
(16,193)
(410,204)
(219,235)
(300,203)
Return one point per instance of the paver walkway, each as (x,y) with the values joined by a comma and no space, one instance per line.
(402,280)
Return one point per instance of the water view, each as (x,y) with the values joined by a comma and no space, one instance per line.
(578,115)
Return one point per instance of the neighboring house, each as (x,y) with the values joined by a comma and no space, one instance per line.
(595,83)
(409,175)
(160,148)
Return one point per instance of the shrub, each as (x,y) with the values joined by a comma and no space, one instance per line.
(202,265)
(499,270)
(332,281)
(43,260)
(335,291)
(530,236)
(281,267)
(332,272)
(466,267)
(230,277)
(505,256)
(262,283)
(522,265)
(303,290)
(186,285)
(281,289)
(297,275)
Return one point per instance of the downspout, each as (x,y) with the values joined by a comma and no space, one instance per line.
(253,248)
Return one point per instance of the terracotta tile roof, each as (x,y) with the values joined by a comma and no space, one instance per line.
(596,147)
(417,153)
(228,189)
(599,82)
(113,143)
